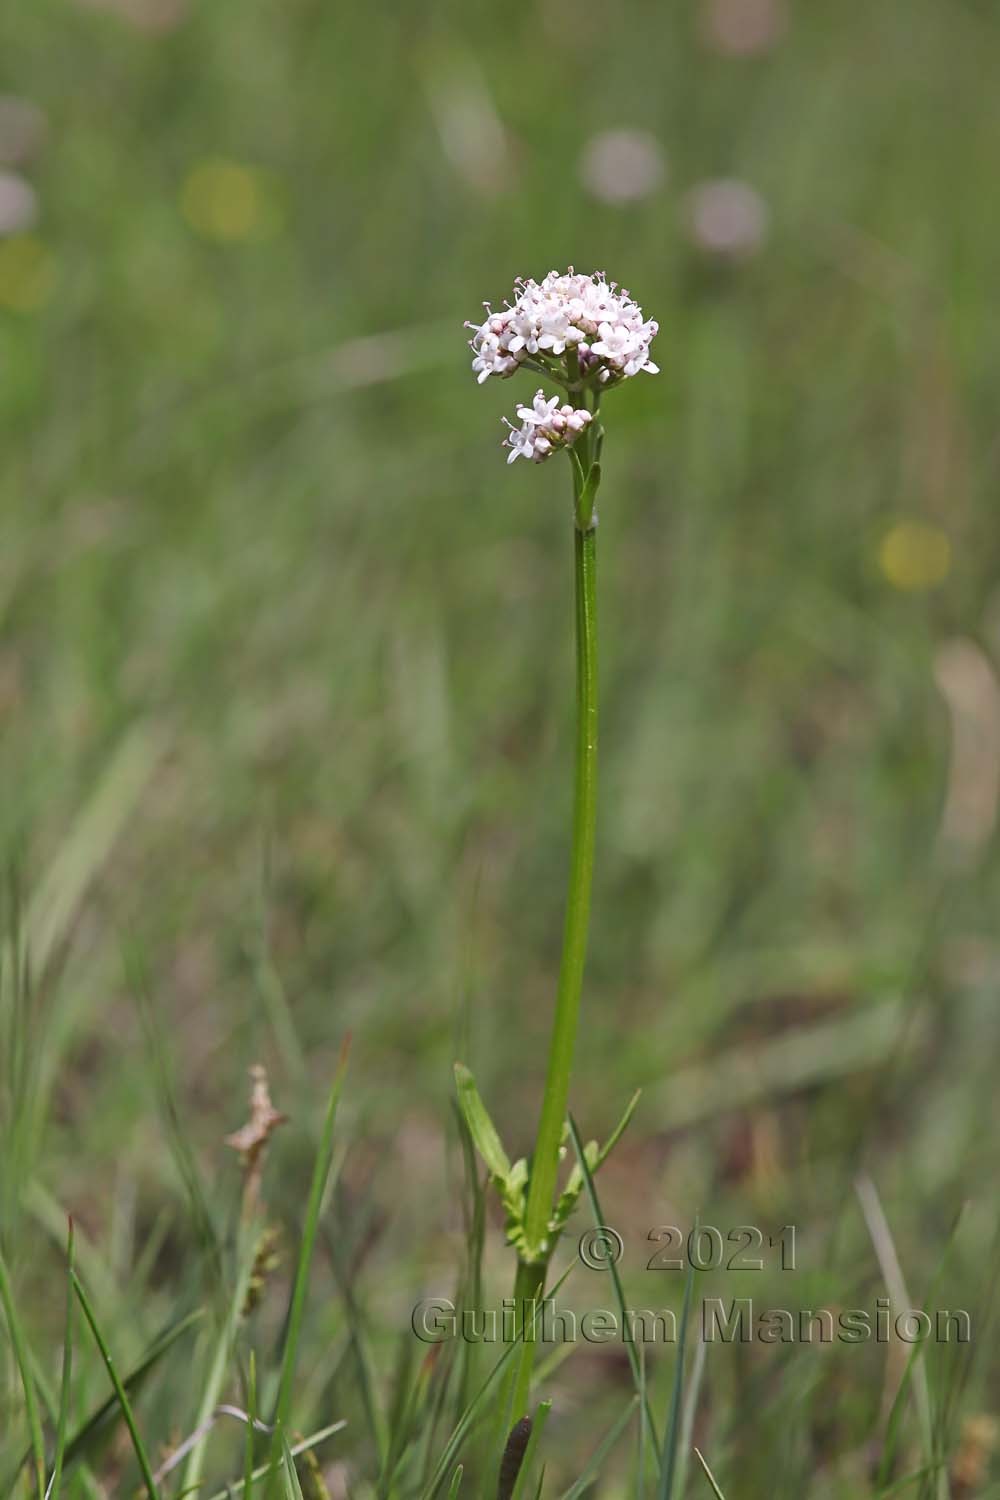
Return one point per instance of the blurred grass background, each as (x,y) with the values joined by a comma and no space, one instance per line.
(285,674)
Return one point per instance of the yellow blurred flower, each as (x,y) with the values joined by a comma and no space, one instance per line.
(27,273)
(226,201)
(914,555)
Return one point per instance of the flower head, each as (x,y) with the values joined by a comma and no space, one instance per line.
(576,328)
(545,428)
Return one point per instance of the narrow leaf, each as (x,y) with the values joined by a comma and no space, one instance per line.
(65,1395)
(86,1439)
(579,477)
(307,1444)
(534,1443)
(481,1127)
(461,1429)
(616,1281)
(20,1346)
(600,1453)
(120,1393)
(321,1171)
(248,1436)
(671,1440)
(709,1475)
(293,1489)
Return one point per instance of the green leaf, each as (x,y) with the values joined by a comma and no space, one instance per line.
(293,1489)
(65,1398)
(691,1397)
(616,1281)
(709,1475)
(579,477)
(910,1374)
(20,1346)
(481,1127)
(595,1159)
(528,1462)
(671,1441)
(122,1398)
(470,1413)
(224,1345)
(600,1453)
(587,497)
(251,1427)
(238,1487)
(321,1171)
(87,1439)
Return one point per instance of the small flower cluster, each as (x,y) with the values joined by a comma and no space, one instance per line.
(545,428)
(575,327)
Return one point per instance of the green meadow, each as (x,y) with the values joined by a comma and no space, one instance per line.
(286,716)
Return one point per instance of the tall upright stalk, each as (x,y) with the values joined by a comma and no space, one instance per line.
(586,335)
(531,1273)
(553,1115)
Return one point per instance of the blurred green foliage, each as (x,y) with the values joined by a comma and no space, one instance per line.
(260,549)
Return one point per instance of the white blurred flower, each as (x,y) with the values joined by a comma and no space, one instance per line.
(620,166)
(18,204)
(156,16)
(743,28)
(545,428)
(572,327)
(22,130)
(727,217)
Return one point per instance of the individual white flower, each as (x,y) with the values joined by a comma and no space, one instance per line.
(621,351)
(545,428)
(571,326)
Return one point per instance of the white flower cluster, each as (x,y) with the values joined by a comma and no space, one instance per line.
(561,315)
(545,428)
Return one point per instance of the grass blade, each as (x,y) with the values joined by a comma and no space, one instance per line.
(914,1371)
(57,899)
(689,1412)
(360,1348)
(238,1487)
(458,1435)
(65,1396)
(642,1436)
(456,1481)
(293,1489)
(87,1438)
(709,1475)
(600,1453)
(158,1054)
(251,1427)
(528,1460)
(120,1393)
(668,1467)
(20,1347)
(317,1189)
(461,1428)
(616,1281)
(220,1359)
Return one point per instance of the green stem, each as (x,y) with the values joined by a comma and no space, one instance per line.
(529,1285)
(529,1288)
(545,1162)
